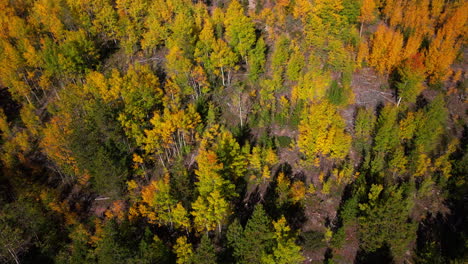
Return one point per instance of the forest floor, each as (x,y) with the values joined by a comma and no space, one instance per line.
(371,91)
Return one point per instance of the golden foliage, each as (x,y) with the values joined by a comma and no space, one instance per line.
(386,49)
(321,132)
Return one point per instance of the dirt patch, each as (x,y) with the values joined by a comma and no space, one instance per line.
(347,253)
(367,88)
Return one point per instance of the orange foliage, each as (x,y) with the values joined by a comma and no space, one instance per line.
(55,141)
(98,232)
(117,210)
(298,191)
(444,48)
(386,49)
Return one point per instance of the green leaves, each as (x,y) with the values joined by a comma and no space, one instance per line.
(240,31)
(285,251)
(385,220)
(252,243)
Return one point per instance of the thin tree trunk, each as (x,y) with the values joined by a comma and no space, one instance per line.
(240,110)
(15,257)
(360,29)
(222,75)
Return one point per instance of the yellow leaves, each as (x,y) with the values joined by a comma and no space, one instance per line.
(55,143)
(271,158)
(158,206)
(367,11)
(117,210)
(444,48)
(266,173)
(374,193)
(436,8)
(160,14)
(64,209)
(199,76)
(80,233)
(398,161)
(285,250)
(206,42)
(412,45)
(298,191)
(312,85)
(171,131)
(284,103)
(302,9)
(148,192)
(207,172)
(178,66)
(222,56)
(83,178)
(443,164)
(48,13)
(133,212)
(199,212)
(211,208)
(408,127)
(31,55)
(10,65)
(98,233)
(191,119)
(97,84)
(262,160)
(321,132)
(115,85)
(137,159)
(326,187)
(172,95)
(183,251)
(386,49)
(328,235)
(311,189)
(344,174)
(139,92)
(180,217)
(423,165)
(30,119)
(4,126)
(131,185)
(281,228)
(255,158)
(283,189)
(210,211)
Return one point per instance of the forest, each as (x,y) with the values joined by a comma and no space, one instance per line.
(233,131)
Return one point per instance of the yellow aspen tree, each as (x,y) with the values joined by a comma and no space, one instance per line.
(367,13)
(4,125)
(322,132)
(210,209)
(240,31)
(183,251)
(386,49)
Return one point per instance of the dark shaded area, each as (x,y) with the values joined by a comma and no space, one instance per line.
(381,255)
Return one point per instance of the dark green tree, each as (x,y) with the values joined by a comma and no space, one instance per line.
(205,253)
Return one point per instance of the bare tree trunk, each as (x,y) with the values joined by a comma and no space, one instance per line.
(360,29)
(222,75)
(161,159)
(15,257)
(240,110)
(399,100)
